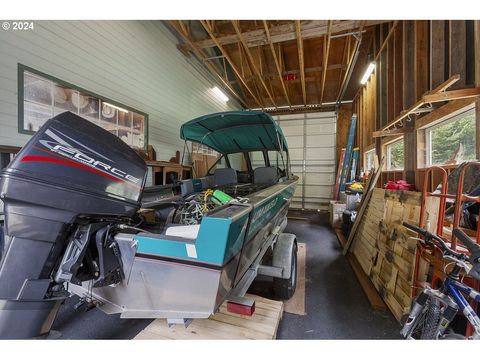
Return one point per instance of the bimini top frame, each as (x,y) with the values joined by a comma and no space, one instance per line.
(235,131)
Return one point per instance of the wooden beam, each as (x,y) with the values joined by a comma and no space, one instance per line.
(437,52)
(401,131)
(421,58)
(230,61)
(326,51)
(300,59)
(441,112)
(457,49)
(277,64)
(345,58)
(287,32)
(350,64)
(201,56)
(452,95)
(236,26)
(422,101)
(446,84)
(390,33)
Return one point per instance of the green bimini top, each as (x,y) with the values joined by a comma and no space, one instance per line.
(235,131)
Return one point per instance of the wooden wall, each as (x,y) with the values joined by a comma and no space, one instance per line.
(343,122)
(412,58)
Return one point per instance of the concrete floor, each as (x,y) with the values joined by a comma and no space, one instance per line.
(336,306)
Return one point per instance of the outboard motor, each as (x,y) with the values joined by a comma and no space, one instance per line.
(64,194)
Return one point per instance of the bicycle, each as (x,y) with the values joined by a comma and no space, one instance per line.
(433,310)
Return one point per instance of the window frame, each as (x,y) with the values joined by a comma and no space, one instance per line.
(388,153)
(365,156)
(21,69)
(429,129)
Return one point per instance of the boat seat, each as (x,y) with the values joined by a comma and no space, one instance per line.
(265,175)
(224,176)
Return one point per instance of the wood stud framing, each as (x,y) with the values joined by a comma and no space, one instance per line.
(209,30)
(326,50)
(181,29)
(274,68)
(301,63)
(236,26)
(277,64)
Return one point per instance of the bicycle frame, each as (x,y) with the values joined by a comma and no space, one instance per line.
(455,289)
(451,296)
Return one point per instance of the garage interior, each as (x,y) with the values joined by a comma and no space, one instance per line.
(379,116)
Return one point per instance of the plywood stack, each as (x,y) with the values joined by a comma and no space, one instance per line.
(384,249)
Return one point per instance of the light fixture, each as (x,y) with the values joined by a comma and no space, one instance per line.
(368,72)
(116,107)
(219,94)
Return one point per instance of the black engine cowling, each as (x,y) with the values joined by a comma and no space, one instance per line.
(71,172)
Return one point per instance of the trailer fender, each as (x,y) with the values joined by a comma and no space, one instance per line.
(282,253)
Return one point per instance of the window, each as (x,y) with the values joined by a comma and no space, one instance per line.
(277,159)
(395,155)
(256,159)
(41,97)
(237,161)
(203,149)
(452,139)
(369,160)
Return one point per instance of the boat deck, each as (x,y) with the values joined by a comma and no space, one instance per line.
(262,325)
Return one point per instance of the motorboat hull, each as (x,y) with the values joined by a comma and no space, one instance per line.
(166,283)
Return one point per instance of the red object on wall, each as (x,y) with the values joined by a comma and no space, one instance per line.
(289,77)
(400,185)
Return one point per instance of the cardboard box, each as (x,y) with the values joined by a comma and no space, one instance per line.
(336,211)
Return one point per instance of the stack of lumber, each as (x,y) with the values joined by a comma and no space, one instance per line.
(383,248)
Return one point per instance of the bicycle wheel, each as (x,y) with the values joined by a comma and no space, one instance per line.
(426,325)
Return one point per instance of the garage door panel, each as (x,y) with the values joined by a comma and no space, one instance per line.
(295,142)
(311,141)
(321,115)
(315,178)
(320,141)
(327,128)
(318,191)
(320,154)
(296,154)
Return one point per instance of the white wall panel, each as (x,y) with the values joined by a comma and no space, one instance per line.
(135,63)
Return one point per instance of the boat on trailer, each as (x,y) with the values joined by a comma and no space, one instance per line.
(73,224)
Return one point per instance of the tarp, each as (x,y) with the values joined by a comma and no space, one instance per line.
(235,131)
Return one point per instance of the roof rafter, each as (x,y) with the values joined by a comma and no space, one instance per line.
(277,64)
(202,56)
(287,32)
(326,51)
(298,29)
(236,26)
(207,27)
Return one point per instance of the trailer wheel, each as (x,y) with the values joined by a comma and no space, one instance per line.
(285,288)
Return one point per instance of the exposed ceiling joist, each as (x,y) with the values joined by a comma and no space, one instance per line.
(208,29)
(300,59)
(287,32)
(277,64)
(181,30)
(236,26)
(351,64)
(326,51)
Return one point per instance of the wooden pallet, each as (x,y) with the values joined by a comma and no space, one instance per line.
(384,249)
(262,325)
